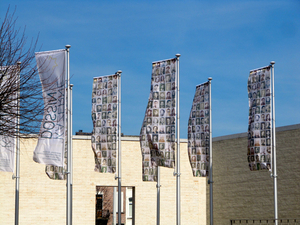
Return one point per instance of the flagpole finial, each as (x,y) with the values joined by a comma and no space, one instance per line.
(272,63)
(210,78)
(177,55)
(68,46)
(19,64)
(118,73)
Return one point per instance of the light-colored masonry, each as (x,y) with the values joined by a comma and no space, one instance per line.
(238,192)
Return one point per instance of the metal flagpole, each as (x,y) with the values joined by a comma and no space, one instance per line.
(71,152)
(114,207)
(17,177)
(158,197)
(210,181)
(178,148)
(274,146)
(69,142)
(119,149)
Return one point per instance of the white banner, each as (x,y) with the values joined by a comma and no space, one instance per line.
(7,153)
(9,119)
(51,143)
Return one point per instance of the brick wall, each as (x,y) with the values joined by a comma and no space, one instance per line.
(43,201)
(238,192)
(243,194)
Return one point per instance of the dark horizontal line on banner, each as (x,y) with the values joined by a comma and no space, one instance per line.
(261,68)
(164,60)
(107,75)
(202,83)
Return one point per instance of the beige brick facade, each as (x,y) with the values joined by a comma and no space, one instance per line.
(243,194)
(238,192)
(43,201)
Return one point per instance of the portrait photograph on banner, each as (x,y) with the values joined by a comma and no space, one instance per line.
(199,132)
(105,122)
(157,136)
(259,124)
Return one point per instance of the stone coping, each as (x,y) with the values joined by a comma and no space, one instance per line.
(226,137)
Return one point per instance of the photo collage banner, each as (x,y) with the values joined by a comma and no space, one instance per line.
(260,116)
(105,122)
(199,132)
(157,136)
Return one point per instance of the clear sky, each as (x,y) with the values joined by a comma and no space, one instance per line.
(218,39)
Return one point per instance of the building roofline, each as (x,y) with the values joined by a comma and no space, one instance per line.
(221,138)
(245,134)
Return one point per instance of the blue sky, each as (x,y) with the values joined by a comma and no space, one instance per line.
(218,39)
